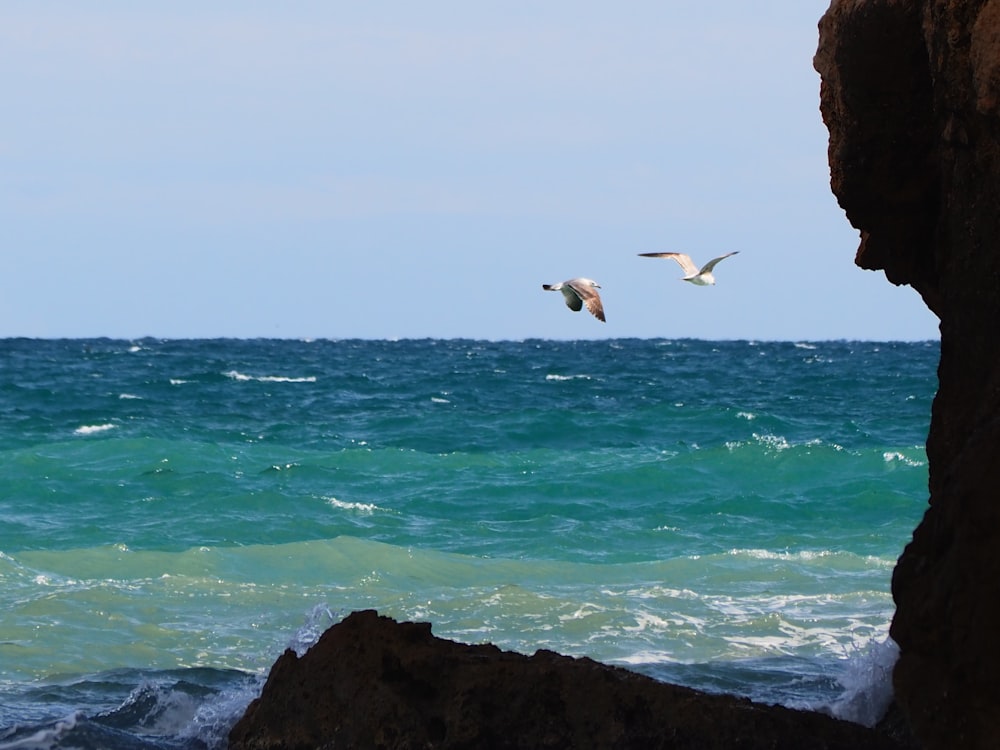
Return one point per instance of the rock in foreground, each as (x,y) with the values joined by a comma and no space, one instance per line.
(370,682)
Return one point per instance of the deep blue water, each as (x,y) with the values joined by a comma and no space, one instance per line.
(173,514)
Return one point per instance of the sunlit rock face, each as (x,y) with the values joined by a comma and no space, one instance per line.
(911,96)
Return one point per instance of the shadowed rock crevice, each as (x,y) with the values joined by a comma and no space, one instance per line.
(876,91)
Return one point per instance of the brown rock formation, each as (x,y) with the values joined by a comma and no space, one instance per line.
(373,683)
(911,97)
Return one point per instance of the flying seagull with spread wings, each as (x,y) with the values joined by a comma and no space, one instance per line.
(579,292)
(702,276)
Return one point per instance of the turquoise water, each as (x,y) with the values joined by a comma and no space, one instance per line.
(174,514)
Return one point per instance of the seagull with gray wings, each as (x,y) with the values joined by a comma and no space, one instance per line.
(699,276)
(579,292)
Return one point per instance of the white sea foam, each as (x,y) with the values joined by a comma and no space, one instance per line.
(809,556)
(234,375)
(164,709)
(93,429)
(585,610)
(897,457)
(45,739)
(567,377)
(775,442)
(648,656)
(128,397)
(243,377)
(647,621)
(867,683)
(214,717)
(769,442)
(363,508)
(172,710)
(765,554)
(439,400)
(318,619)
(284,379)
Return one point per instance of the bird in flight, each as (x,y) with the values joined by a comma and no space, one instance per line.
(702,276)
(579,292)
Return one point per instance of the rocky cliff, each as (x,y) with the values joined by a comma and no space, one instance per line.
(911,96)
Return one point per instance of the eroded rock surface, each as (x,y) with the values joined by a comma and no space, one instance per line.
(371,682)
(911,97)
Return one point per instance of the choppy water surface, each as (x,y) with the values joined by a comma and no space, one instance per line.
(173,514)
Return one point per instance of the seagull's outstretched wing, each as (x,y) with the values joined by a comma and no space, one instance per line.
(586,291)
(683,260)
(579,292)
(711,264)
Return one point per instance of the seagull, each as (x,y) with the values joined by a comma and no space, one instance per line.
(701,277)
(579,292)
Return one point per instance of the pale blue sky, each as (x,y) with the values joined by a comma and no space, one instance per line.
(395,169)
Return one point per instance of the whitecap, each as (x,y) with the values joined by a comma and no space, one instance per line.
(172,710)
(286,379)
(586,609)
(764,554)
(895,456)
(646,621)
(777,442)
(129,397)
(243,377)
(92,429)
(364,508)
(567,377)
(439,400)
(45,739)
(643,657)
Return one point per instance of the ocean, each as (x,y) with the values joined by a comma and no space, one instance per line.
(176,513)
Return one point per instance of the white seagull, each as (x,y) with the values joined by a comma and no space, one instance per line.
(579,292)
(702,276)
